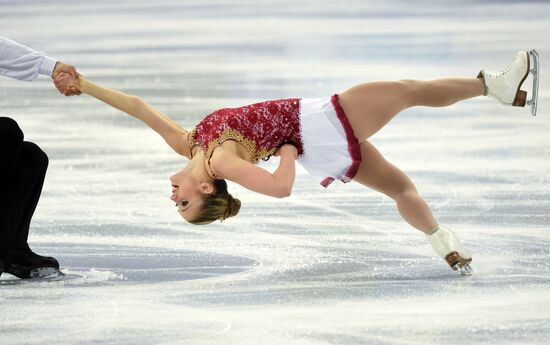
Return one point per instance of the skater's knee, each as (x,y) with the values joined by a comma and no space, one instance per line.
(401,191)
(427,93)
(411,91)
(404,193)
(408,82)
(10,131)
(35,153)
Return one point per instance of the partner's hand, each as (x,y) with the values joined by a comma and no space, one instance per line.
(67,84)
(60,68)
(287,149)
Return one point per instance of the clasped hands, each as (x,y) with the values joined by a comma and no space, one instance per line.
(65,78)
(287,149)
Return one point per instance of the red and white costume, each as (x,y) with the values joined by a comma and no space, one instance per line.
(318,128)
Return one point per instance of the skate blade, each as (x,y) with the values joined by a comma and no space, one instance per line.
(535,71)
(46,273)
(466,270)
(458,263)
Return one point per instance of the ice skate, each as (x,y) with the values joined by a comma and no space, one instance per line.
(505,86)
(449,248)
(25,264)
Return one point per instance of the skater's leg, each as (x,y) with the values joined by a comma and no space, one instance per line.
(31,171)
(21,178)
(370,106)
(11,140)
(27,187)
(377,173)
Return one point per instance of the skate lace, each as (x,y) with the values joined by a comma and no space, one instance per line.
(507,69)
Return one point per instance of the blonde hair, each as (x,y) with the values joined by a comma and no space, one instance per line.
(218,205)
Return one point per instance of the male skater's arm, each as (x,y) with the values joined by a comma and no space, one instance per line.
(23,63)
(174,135)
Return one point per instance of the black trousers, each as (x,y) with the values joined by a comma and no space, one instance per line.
(23,168)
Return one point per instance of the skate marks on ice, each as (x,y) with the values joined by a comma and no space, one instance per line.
(352,251)
(98,316)
(95,264)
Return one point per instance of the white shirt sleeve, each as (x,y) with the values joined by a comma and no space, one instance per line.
(21,62)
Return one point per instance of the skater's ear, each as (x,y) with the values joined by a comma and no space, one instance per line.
(206,188)
(219,205)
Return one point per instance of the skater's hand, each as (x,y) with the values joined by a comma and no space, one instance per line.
(61,67)
(68,84)
(287,149)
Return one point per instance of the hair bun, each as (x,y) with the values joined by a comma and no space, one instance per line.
(233,207)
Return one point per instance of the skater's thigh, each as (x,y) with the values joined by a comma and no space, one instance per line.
(10,133)
(32,154)
(369,106)
(377,173)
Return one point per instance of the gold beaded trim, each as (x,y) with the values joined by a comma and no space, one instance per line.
(231,134)
(265,153)
(191,141)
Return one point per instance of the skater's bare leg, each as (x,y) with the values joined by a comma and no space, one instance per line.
(370,106)
(377,173)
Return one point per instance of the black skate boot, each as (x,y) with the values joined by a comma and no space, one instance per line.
(25,264)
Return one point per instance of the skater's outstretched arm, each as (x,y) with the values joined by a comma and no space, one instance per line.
(174,135)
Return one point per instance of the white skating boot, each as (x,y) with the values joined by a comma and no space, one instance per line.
(449,248)
(505,86)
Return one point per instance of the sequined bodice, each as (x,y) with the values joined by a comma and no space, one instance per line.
(261,128)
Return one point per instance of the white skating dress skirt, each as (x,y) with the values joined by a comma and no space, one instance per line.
(331,150)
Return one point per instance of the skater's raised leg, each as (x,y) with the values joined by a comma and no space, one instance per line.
(370,106)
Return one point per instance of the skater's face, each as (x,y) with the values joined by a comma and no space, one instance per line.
(187,194)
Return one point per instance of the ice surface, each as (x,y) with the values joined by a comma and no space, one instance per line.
(334,266)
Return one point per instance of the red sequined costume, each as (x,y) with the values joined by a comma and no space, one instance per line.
(332,151)
(261,128)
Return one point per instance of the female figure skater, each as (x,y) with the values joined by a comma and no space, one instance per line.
(328,136)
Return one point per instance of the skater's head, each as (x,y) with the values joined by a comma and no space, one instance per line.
(218,205)
(202,201)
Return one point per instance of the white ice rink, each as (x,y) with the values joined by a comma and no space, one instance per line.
(334,266)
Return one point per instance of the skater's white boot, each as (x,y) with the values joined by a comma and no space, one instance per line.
(505,85)
(449,248)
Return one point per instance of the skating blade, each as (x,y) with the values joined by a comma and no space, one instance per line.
(535,71)
(466,270)
(46,273)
